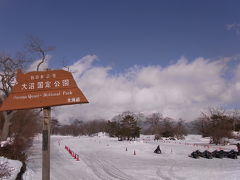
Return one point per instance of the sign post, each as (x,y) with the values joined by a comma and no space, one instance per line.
(46,143)
(44,89)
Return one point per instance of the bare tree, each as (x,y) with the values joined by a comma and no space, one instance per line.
(167,127)
(218,124)
(26,125)
(200,125)
(180,130)
(35,46)
(8,69)
(154,123)
(236,120)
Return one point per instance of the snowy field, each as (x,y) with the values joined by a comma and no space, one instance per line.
(104,158)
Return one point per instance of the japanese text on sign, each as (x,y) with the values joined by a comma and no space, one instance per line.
(45,84)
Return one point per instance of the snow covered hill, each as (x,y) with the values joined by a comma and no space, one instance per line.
(104,158)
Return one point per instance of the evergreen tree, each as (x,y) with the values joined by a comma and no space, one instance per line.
(124,127)
(129,127)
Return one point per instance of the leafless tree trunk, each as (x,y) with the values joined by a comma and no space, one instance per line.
(7,123)
(8,68)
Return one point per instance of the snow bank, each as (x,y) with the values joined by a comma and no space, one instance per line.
(13,165)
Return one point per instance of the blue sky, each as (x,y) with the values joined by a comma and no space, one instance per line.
(176,57)
(125,32)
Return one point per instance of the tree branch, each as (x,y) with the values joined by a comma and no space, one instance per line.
(34,45)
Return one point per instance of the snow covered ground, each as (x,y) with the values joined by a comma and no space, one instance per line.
(104,158)
(13,165)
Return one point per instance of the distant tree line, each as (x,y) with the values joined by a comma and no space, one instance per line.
(216,124)
(160,126)
(79,127)
(125,126)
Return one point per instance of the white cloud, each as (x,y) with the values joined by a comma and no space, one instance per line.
(183,89)
(235,27)
(79,67)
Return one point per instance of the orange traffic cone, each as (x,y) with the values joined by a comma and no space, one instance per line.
(77,157)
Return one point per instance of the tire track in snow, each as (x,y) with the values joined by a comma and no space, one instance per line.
(170,174)
(173,174)
(104,169)
(160,174)
(115,172)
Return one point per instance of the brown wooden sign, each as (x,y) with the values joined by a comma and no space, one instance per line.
(43,89)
